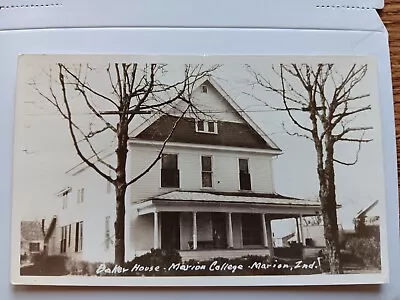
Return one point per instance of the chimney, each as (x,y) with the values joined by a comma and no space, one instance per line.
(43,220)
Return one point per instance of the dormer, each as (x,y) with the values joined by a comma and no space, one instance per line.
(206,126)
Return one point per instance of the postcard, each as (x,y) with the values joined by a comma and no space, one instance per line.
(197,170)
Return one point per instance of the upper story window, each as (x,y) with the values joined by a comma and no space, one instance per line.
(169,171)
(206,126)
(65,199)
(64,196)
(244,175)
(81,193)
(204,89)
(206,172)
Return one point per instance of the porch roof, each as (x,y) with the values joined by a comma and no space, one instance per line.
(231,201)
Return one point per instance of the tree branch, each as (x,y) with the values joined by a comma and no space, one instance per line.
(71,130)
(287,107)
(87,86)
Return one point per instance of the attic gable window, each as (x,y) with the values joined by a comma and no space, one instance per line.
(203,126)
(204,89)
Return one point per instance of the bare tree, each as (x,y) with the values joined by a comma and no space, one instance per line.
(322,103)
(132,91)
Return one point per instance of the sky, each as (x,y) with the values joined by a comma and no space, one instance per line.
(43,148)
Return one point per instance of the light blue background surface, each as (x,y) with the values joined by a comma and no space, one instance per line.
(370,40)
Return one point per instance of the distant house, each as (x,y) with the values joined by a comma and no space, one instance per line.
(32,238)
(211,194)
(367,221)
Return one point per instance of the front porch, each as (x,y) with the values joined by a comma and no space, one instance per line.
(208,229)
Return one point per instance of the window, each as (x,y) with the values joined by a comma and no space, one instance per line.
(107,234)
(64,239)
(34,247)
(80,195)
(200,126)
(251,229)
(64,200)
(244,175)
(211,127)
(169,170)
(204,89)
(206,171)
(206,126)
(69,235)
(78,236)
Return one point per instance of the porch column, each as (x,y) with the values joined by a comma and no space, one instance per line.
(270,241)
(298,230)
(230,231)
(194,230)
(156,233)
(303,241)
(264,231)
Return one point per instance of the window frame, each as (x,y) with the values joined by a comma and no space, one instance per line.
(37,247)
(64,239)
(177,169)
(204,89)
(78,236)
(81,194)
(65,200)
(69,235)
(248,172)
(211,172)
(206,128)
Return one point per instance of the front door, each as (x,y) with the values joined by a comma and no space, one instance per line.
(219,230)
(170,231)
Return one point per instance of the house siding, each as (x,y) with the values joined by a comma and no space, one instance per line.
(225,170)
(141,235)
(96,206)
(212,103)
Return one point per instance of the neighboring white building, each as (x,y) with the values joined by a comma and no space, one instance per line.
(212,194)
(367,221)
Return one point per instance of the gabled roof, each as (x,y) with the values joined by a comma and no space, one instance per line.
(364,211)
(229,133)
(31,231)
(248,130)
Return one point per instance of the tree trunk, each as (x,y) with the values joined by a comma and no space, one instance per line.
(327,196)
(119,226)
(120,189)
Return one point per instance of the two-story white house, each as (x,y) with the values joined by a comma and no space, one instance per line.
(211,194)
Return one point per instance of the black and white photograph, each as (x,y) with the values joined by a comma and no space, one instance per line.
(185,170)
